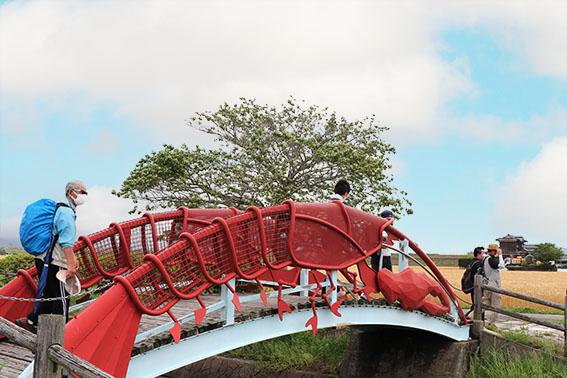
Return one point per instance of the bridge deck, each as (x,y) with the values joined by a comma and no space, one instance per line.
(14,359)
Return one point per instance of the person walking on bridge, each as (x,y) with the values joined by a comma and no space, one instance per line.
(492,267)
(383,258)
(341,192)
(60,258)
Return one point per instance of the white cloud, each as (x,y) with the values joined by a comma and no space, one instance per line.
(536,129)
(160,61)
(101,209)
(533,202)
(157,62)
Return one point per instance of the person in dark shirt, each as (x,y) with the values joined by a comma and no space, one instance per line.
(383,258)
(477,265)
(341,192)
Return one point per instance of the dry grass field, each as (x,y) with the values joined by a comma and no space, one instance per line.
(550,286)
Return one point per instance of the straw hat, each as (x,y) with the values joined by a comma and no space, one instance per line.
(493,246)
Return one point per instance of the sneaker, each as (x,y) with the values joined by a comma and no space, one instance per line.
(26,324)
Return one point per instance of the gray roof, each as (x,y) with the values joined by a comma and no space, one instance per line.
(512,238)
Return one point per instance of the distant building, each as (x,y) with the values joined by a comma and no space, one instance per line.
(514,246)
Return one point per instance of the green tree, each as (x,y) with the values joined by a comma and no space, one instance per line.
(545,252)
(266,155)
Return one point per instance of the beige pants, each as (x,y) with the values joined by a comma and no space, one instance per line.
(492,299)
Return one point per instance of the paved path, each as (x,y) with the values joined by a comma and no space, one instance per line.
(506,323)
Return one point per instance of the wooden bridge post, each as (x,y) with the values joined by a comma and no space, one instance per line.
(50,331)
(477,314)
(402,259)
(304,281)
(227,313)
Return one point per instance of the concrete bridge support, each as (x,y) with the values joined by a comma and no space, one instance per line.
(398,352)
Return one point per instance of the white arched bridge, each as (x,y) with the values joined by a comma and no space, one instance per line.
(193,283)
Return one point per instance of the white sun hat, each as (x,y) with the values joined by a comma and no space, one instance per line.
(72,284)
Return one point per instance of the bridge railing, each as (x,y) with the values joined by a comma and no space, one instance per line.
(480,308)
(47,347)
(227,308)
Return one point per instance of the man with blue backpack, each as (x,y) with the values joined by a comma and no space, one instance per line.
(48,232)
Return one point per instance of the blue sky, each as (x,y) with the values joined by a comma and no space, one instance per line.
(475,96)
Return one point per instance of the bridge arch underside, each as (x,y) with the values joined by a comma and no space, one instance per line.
(192,349)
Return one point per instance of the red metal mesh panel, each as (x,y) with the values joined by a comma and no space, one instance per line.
(365,228)
(194,227)
(331,212)
(108,253)
(184,270)
(248,245)
(151,288)
(215,250)
(87,268)
(206,214)
(167,232)
(137,245)
(276,229)
(317,244)
(147,233)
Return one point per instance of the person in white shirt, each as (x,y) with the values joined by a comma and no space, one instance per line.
(492,266)
(383,258)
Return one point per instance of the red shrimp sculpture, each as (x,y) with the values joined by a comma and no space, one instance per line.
(274,242)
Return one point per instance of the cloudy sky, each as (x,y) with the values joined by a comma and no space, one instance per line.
(474,92)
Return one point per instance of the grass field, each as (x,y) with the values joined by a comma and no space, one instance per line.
(550,286)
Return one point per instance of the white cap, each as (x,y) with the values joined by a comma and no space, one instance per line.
(72,284)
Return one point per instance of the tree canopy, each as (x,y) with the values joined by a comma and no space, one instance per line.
(546,252)
(265,155)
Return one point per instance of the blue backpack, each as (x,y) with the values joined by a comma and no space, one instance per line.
(36,228)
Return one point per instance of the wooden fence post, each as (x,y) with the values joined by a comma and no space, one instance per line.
(477,314)
(50,330)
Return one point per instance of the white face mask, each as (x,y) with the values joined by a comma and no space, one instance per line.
(80,199)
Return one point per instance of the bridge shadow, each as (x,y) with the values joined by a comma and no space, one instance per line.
(390,351)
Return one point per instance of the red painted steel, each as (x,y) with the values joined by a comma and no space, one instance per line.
(113,251)
(177,255)
(273,243)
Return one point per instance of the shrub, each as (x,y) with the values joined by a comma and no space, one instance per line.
(465,261)
(10,264)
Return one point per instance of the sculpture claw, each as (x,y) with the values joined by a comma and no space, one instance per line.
(200,314)
(283,307)
(335,308)
(313,323)
(176,332)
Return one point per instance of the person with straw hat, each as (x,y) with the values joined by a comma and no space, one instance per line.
(492,266)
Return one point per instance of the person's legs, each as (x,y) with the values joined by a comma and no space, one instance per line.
(387,263)
(32,317)
(375,261)
(472,305)
(53,289)
(494,302)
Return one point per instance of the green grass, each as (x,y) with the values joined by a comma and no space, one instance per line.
(537,341)
(528,310)
(300,351)
(499,364)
